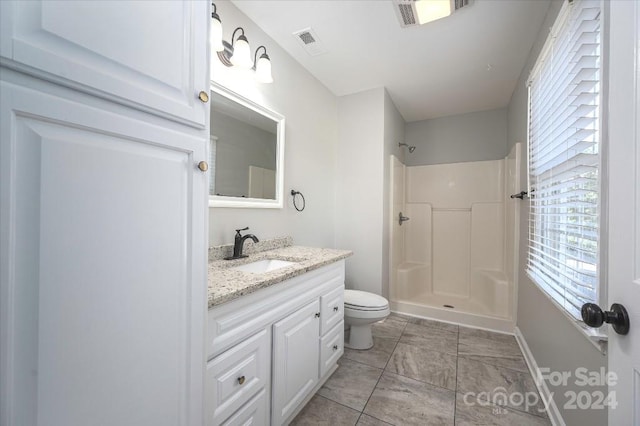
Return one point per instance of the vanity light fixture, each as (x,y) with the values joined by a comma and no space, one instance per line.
(237,53)
(215,36)
(241,56)
(262,66)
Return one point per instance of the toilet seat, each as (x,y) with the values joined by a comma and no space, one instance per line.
(364,301)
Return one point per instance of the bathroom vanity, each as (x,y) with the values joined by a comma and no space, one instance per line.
(274,336)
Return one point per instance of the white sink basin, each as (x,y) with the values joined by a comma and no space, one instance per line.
(262,266)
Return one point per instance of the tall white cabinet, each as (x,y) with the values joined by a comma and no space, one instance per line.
(102,212)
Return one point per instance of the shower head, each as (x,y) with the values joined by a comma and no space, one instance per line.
(411,148)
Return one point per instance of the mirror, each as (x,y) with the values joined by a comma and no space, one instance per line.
(246,152)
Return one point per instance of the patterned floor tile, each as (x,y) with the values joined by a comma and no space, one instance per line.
(498,385)
(402,401)
(473,414)
(496,350)
(435,368)
(377,356)
(321,411)
(351,384)
(430,339)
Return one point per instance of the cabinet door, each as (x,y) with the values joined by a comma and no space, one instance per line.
(102,267)
(151,55)
(295,360)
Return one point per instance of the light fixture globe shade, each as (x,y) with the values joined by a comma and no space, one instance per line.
(263,70)
(216,35)
(241,57)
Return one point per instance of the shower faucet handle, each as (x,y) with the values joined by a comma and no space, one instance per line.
(402,218)
(520,195)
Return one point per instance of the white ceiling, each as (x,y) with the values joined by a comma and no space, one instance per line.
(467,62)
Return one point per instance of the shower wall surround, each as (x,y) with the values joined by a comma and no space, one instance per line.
(457,225)
(458,248)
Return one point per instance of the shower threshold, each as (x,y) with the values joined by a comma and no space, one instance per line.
(462,311)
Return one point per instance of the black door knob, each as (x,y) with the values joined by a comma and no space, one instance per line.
(594,316)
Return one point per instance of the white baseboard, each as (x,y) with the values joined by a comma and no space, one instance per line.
(552,409)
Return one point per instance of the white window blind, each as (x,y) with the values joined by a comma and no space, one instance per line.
(564,159)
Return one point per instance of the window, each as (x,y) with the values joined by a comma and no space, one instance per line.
(564,159)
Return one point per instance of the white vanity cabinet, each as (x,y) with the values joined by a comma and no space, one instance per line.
(298,325)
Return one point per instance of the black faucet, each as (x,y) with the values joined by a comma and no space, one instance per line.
(239,244)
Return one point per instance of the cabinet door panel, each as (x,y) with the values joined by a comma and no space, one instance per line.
(296,357)
(103,286)
(148,54)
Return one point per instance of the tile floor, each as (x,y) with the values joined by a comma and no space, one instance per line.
(423,372)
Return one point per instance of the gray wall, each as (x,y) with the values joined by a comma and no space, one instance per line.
(239,146)
(310,145)
(476,136)
(359,196)
(369,129)
(554,342)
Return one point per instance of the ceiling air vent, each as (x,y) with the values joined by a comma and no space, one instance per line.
(409,13)
(310,42)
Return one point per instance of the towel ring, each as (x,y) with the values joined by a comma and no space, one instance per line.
(304,202)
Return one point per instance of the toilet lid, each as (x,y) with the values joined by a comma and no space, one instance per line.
(364,300)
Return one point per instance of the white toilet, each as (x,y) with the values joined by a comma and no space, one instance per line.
(361,309)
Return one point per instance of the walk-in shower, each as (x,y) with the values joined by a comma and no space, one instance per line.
(455,259)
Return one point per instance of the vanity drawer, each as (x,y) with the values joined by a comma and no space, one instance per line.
(253,412)
(236,375)
(331,309)
(331,348)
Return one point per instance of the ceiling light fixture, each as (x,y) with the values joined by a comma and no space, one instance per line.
(262,66)
(431,10)
(417,12)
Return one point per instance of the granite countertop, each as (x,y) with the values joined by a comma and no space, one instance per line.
(226,284)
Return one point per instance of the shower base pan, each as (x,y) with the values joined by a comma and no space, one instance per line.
(452,309)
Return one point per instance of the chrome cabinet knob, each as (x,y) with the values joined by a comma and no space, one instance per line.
(203,166)
(336,309)
(335,347)
(241,380)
